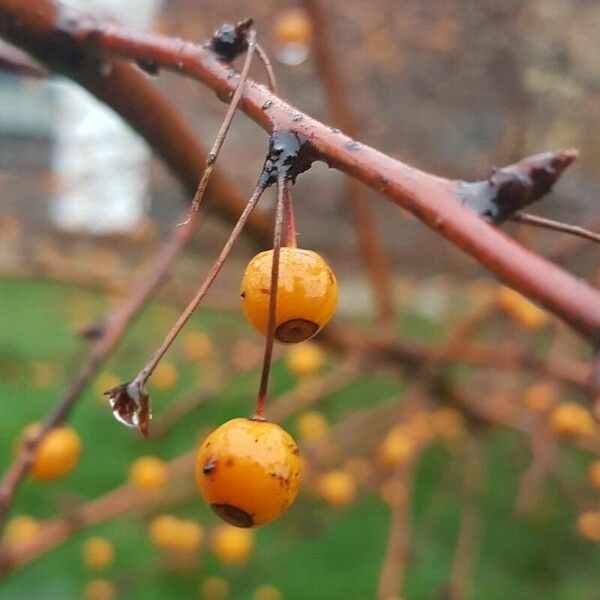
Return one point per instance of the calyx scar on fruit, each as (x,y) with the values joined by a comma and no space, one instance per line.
(306,293)
(248,471)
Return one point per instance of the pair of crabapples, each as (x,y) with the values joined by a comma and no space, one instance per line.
(249,470)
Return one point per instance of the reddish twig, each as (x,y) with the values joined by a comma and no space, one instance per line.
(33,24)
(113,332)
(220,139)
(259,412)
(544,223)
(369,238)
(141,378)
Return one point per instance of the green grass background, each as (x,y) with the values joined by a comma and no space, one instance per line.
(314,551)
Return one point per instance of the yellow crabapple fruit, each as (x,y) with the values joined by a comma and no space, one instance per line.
(99,589)
(232,545)
(21,529)
(398,447)
(521,309)
(196,345)
(588,525)
(170,533)
(337,487)
(214,588)
(266,592)
(306,294)
(305,359)
(248,471)
(293,26)
(311,424)
(57,453)
(98,552)
(148,473)
(572,419)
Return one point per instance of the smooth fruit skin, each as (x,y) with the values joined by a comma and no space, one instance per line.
(56,454)
(306,294)
(248,471)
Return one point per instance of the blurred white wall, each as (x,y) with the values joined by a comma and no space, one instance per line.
(100,164)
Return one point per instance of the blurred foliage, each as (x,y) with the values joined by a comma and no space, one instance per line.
(314,550)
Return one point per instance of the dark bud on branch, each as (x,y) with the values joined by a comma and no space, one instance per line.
(289,155)
(131,405)
(509,189)
(229,41)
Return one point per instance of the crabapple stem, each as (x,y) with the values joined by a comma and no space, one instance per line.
(266,62)
(145,373)
(544,223)
(259,412)
(288,214)
(211,157)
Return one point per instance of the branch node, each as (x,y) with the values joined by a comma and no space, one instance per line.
(511,188)
(289,155)
(229,41)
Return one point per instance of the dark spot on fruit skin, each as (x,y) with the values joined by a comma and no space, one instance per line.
(233,515)
(243,294)
(209,466)
(296,451)
(296,330)
(264,291)
(230,462)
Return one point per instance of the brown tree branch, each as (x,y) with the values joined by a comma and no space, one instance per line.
(66,40)
(369,238)
(544,223)
(112,333)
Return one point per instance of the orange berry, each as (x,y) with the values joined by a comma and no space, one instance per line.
(311,425)
(232,545)
(397,448)
(305,359)
(214,588)
(21,529)
(293,26)
(170,533)
(98,552)
(306,294)
(248,471)
(266,592)
(148,473)
(588,525)
(539,397)
(337,488)
(99,589)
(56,454)
(165,376)
(572,419)
(521,309)
(594,474)
(196,345)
